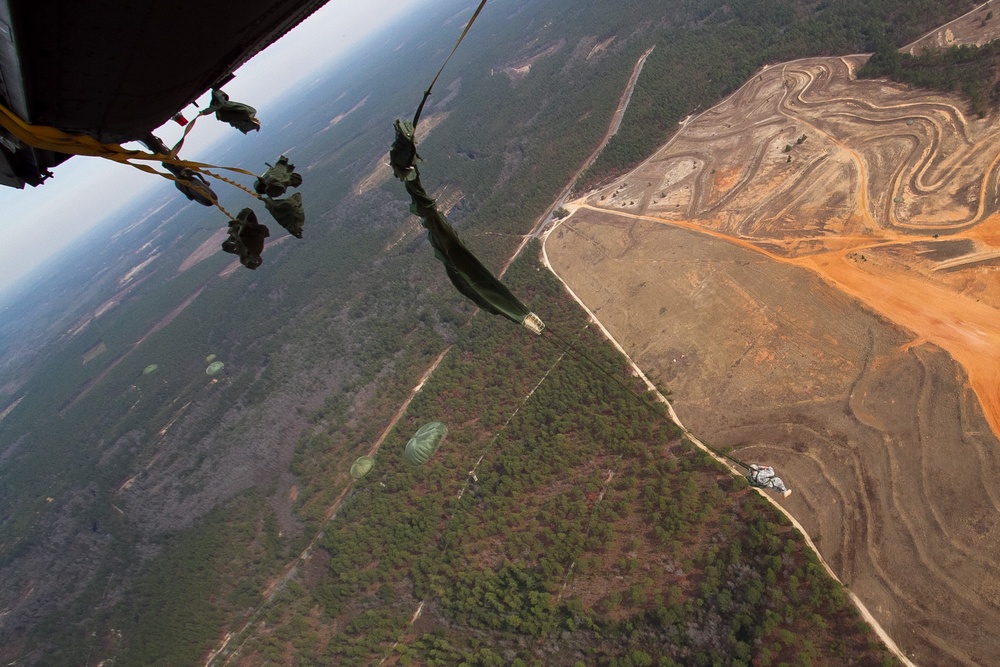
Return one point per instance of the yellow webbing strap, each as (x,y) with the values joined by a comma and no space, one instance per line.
(54,139)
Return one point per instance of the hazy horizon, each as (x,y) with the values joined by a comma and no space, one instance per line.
(41,222)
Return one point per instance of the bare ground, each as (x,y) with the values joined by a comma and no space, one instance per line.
(834,314)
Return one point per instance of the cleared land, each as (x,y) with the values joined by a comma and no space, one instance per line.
(975,27)
(831,305)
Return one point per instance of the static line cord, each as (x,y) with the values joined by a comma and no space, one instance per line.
(427,93)
(53,139)
(580,354)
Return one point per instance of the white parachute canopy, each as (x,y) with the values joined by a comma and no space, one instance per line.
(763,477)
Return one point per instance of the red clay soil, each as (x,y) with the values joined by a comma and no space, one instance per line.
(830,305)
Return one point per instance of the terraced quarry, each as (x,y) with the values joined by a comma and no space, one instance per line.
(813,268)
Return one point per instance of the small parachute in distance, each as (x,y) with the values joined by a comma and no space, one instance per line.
(362,467)
(149,369)
(214,367)
(763,477)
(210,358)
(424,443)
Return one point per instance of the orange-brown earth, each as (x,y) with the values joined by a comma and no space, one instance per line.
(830,305)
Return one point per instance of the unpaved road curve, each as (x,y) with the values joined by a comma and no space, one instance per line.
(616,120)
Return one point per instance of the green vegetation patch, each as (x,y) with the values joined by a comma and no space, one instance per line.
(972,70)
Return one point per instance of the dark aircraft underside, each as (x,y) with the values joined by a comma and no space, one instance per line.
(118,69)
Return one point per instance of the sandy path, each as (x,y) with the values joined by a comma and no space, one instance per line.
(616,120)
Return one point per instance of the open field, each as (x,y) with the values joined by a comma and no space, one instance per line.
(813,268)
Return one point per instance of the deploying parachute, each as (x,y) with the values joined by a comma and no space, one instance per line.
(424,443)
(149,369)
(362,467)
(464,269)
(210,358)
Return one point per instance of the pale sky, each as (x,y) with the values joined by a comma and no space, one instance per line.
(35,223)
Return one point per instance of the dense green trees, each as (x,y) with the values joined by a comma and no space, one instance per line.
(589,526)
(972,70)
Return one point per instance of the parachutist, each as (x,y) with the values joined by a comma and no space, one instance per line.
(403,153)
(246,239)
(192,185)
(289,213)
(241,116)
(278,178)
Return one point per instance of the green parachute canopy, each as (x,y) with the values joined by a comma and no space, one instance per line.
(362,467)
(424,443)
(214,367)
(149,369)
(210,358)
